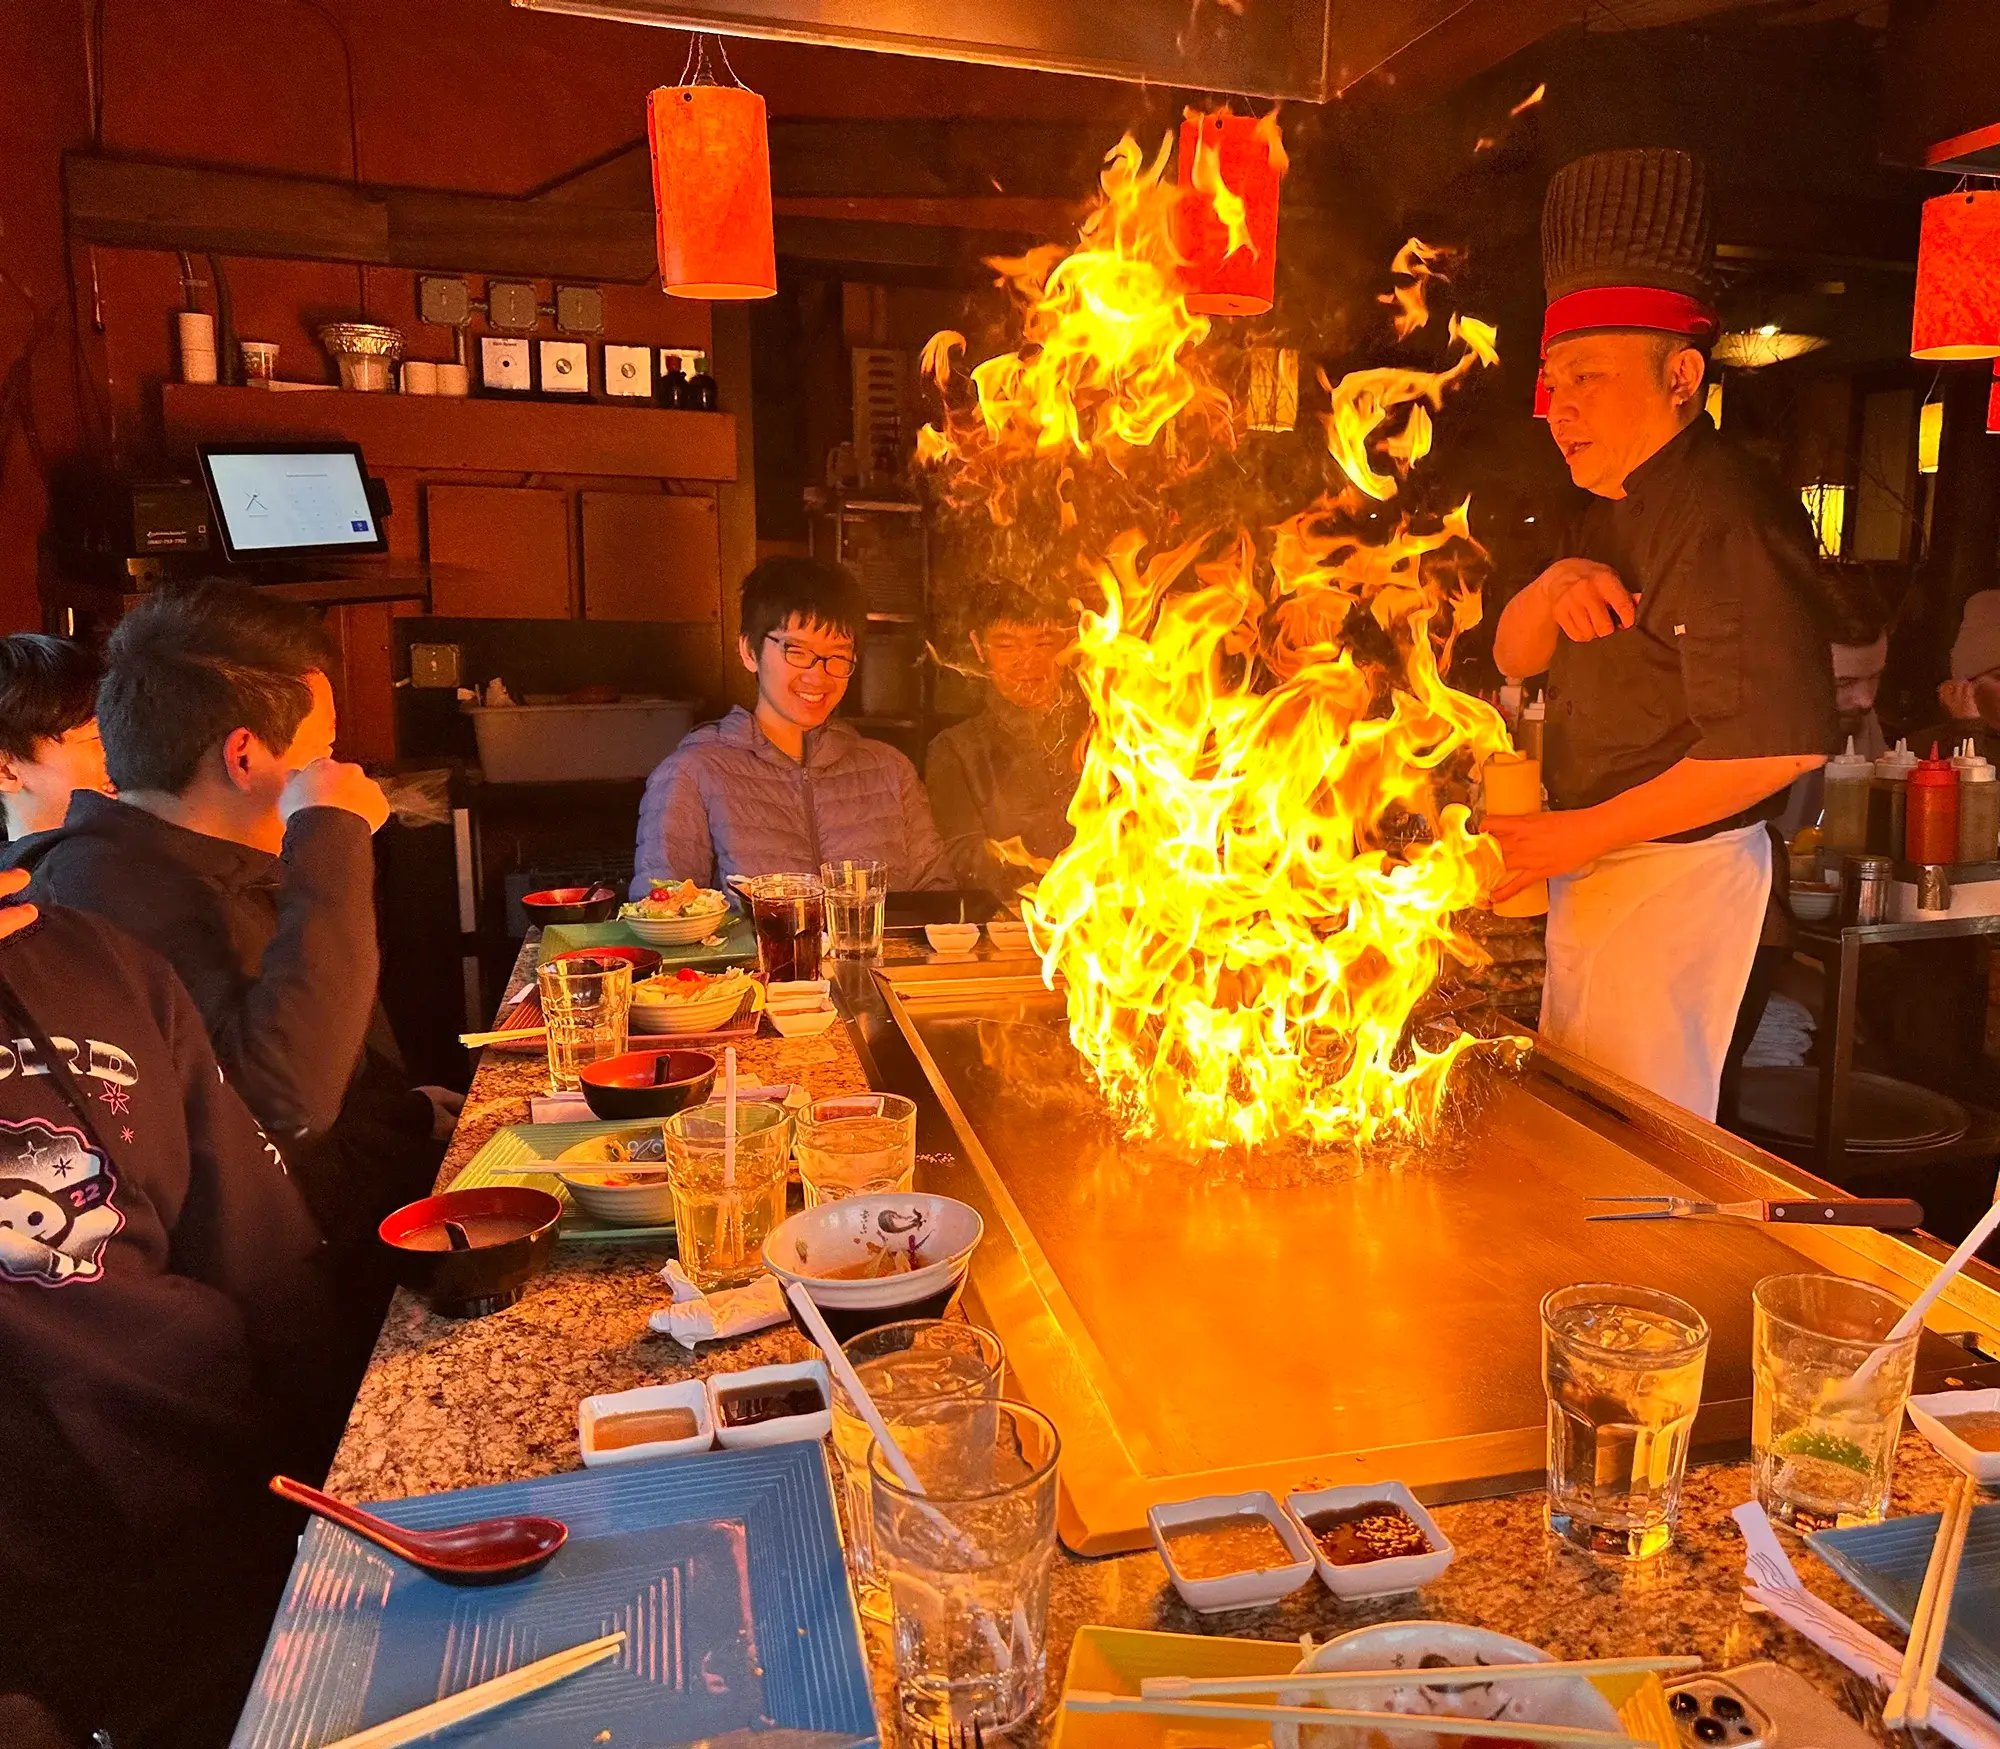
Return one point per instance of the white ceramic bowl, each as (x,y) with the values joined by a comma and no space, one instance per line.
(649,1203)
(802,1022)
(1929,1413)
(1009,935)
(1251,1590)
(1403,1645)
(1388,1578)
(705,1014)
(787,1427)
(1814,903)
(676,931)
(848,1232)
(952,938)
(592,1412)
(797,993)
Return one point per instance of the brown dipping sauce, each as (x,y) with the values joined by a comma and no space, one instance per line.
(481,1231)
(1376,1530)
(1979,1428)
(1237,1542)
(747,1407)
(643,1427)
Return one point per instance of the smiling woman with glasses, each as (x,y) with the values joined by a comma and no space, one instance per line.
(787,786)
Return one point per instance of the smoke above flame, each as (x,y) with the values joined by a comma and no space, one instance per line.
(1268,856)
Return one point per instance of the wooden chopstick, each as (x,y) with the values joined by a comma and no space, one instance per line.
(1909,1702)
(483,1697)
(1469,1675)
(1430,1723)
(516,1035)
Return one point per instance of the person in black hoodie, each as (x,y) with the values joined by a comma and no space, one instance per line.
(163,1317)
(238,848)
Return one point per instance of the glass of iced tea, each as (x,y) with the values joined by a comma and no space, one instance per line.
(1622,1367)
(789,913)
(857,1145)
(1823,1437)
(726,1205)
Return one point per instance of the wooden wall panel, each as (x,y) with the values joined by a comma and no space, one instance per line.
(499,552)
(650,556)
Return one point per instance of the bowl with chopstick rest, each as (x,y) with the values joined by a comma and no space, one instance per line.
(470,1252)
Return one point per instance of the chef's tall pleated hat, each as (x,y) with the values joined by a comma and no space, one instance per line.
(1628,241)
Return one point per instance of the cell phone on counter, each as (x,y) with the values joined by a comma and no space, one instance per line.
(1761,1706)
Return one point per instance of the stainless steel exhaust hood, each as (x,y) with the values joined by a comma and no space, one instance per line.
(1309,49)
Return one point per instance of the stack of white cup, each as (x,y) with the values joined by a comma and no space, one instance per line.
(197,337)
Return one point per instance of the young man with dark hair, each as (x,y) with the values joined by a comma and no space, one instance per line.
(786,786)
(163,1337)
(238,848)
(49,744)
(1008,773)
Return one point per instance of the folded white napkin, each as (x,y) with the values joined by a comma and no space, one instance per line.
(696,1317)
(1771,1582)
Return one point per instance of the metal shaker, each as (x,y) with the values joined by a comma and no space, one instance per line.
(1864,889)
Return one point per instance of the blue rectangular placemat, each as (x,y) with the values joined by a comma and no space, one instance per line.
(1885,1562)
(725,1571)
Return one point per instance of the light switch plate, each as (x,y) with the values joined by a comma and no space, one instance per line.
(565,367)
(512,304)
(444,301)
(504,364)
(628,370)
(435,665)
(579,309)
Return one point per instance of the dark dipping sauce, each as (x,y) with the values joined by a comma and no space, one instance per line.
(1376,1530)
(481,1232)
(746,1408)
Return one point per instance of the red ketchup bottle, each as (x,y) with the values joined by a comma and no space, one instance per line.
(1931,828)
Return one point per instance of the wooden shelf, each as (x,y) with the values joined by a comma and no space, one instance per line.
(478,434)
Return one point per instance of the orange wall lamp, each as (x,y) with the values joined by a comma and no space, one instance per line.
(711,153)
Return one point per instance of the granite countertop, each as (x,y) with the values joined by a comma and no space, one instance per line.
(452,1404)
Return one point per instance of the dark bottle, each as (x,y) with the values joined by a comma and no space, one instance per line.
(704,393)
(673,389)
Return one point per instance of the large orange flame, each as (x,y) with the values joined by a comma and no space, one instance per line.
(1267,864)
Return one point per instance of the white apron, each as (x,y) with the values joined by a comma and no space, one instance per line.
(1649,950)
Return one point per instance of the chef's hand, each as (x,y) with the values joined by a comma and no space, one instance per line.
(14,917)
(1587,599)
(1538,847)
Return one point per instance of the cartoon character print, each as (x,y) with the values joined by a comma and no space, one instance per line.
(57,1212)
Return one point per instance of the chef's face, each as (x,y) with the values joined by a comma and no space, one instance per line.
(1857,676)
(1614,400)
(804,696)
(1024,661)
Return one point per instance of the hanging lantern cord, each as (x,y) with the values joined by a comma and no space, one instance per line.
(708,62)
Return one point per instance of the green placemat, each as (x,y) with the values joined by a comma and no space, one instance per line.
(521,1144)
(737,947)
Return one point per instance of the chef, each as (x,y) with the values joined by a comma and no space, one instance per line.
(1689,681)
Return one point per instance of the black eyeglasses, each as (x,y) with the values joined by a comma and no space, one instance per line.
(798,656)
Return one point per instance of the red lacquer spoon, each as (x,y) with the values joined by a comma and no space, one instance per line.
(487,1552)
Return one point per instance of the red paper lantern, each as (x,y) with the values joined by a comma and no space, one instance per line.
(1957,311)
(712,191)
(1245,152)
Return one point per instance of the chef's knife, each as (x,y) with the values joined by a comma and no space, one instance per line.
(1886,1214)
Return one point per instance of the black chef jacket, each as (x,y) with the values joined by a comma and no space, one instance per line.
(1727,659)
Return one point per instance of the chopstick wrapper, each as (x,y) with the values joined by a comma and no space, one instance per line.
(696,1317)
(1771,1582)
